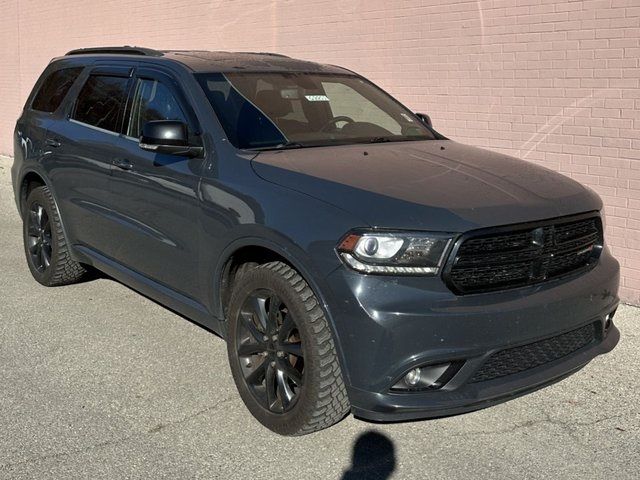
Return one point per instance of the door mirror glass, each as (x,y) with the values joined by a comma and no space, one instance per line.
(169,137)
(426,119)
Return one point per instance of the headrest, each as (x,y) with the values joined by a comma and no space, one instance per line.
(272,103)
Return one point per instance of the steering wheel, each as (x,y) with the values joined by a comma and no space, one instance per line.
(334,120)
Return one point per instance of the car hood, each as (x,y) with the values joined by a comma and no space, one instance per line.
(427,185)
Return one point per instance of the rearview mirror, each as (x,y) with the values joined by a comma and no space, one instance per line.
(426,119)
(169,137)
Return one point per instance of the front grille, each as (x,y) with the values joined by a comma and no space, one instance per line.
(520,255)
(519,359)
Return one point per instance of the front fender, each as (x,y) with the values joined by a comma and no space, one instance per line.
(296,257)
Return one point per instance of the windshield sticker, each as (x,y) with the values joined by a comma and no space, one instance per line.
(317,98)
(406,117)
(290,93)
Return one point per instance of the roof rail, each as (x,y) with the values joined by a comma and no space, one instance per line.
(267,53)
(126,50)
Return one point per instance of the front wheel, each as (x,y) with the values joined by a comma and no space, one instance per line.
(281,352)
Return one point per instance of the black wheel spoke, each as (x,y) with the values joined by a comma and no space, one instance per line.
(39,212)
(46,257)
(247,322)
(284,392)
(292,348)
(270,387)
(286,328)
(32,243)
(32,229)
(247,349)
(259,309)
(257,374)
(33,218)
(40,256)
(272,315)
(287,370)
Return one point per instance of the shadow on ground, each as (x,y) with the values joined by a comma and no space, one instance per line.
(374,458)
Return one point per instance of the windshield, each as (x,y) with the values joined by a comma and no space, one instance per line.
(292,110)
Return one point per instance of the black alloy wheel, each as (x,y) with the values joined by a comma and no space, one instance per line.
(270,351)
(39,237)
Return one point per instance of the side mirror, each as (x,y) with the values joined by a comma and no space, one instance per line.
(169,137)
(426,119)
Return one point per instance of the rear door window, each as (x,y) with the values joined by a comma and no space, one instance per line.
(101,102)
(54,88)
(152,101)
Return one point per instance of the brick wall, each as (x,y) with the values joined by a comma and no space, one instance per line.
(554,82)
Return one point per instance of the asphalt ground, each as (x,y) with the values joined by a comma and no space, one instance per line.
(97,381)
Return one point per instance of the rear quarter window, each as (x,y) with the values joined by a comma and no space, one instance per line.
(54,89)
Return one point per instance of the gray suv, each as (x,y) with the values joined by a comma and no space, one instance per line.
(354,259)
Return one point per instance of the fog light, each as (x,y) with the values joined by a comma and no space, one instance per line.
(428,376)
(413,377)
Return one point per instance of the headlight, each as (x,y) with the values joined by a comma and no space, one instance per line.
(409,253)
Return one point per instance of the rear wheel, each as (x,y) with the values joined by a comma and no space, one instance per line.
(282,354)
(45,245)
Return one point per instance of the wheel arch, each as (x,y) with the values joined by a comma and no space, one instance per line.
(250,248)
(32,178)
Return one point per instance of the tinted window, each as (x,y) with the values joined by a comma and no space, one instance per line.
(347,102)
(152,101)
(244,124)
(281,110)
(54,89)
(101,102)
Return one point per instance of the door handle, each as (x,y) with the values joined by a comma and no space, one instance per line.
(52,142)
(122,163)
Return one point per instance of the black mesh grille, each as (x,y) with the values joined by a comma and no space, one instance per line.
(519,359)
(524,255)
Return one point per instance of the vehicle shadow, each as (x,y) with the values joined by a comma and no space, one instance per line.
(104,276)
(91,275)
(373,457)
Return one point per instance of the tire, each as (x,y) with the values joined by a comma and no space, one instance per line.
(297,354)
(45,245)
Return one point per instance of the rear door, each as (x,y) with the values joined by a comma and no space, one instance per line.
(42,109)
(86,142)
(154,194)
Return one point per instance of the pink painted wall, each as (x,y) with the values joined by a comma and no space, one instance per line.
(555,82)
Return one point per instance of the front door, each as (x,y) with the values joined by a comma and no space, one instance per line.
(155,195)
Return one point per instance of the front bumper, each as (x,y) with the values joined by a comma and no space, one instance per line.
(386,326)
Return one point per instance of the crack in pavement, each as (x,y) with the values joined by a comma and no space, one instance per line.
(108,443)
(569,427)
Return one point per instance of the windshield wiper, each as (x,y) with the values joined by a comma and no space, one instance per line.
(290,145)
(398,138)
(281,146)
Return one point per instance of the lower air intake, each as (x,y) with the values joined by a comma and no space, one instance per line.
(525,357)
